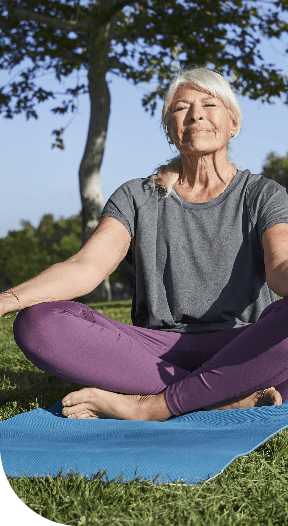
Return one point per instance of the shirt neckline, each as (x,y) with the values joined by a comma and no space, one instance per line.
(213,202)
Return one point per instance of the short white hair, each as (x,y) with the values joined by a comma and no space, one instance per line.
(202,79)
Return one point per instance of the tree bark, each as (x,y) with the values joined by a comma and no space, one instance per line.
(89,170)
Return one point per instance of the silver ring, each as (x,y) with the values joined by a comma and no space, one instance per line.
(263,392)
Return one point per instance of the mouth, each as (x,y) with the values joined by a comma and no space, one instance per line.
(195,130)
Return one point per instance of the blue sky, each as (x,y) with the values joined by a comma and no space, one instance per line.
(37,180)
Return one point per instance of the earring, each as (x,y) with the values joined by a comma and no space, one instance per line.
(232,134)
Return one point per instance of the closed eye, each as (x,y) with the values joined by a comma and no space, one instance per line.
(185,107)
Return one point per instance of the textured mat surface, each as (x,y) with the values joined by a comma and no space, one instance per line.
(193,447)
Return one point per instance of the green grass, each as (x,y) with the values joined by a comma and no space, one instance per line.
(253,490)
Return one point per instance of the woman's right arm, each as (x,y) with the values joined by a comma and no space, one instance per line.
(78,275)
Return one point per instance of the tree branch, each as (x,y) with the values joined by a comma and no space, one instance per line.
(69,55)
(117,5)
(17,41)
(72,25)
(114,63)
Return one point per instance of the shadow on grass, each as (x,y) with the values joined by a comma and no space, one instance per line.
(28,390)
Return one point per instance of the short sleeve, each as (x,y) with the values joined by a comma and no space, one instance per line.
(274,210)
(121,206)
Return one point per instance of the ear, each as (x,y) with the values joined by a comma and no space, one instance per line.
(170,136)
(234,123)
(169,128)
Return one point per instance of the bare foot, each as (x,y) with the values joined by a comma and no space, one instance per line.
(271,397)
(92,402)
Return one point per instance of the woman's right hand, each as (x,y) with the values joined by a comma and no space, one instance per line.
(8,303)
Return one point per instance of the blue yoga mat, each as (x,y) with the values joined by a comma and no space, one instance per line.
(192,448)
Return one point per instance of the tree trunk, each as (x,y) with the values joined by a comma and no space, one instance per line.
(89,171)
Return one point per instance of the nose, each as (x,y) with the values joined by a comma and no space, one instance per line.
(195,113)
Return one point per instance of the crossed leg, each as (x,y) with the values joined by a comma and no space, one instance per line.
(187,372)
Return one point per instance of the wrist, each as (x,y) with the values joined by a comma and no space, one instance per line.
(9,302)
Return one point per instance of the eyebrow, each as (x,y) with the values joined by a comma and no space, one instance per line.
(188,102)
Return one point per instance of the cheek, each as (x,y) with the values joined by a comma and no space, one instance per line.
(219,135)
(221,130)
(176,131)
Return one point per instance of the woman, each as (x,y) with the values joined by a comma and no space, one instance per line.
(209,246)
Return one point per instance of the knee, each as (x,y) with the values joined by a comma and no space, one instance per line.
(33,313)
(27,322)
(36,321)
(40,310)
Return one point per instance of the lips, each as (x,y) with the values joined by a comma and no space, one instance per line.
(195,130)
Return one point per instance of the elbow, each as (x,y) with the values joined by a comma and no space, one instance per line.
(278,283)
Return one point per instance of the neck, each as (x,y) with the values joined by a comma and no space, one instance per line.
(205,173)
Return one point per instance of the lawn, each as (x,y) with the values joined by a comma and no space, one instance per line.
(253,490)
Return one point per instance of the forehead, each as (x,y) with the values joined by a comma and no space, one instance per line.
(189,93)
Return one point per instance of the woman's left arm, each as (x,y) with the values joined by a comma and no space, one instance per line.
(275,246)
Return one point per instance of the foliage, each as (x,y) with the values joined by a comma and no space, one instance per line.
(276,168)
(142,41)
(27,252)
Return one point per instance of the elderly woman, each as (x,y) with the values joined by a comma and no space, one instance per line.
(209,245)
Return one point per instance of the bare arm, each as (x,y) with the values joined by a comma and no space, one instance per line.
(78,275)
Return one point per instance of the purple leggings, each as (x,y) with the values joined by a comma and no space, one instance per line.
(72,341)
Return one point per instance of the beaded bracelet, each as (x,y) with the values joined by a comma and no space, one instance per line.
(10,317)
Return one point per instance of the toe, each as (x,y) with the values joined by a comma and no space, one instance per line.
(277,398)
(271,397)
(79,413)
(66,400)
(71,411)
(84,395)
(65,411)
(76,397)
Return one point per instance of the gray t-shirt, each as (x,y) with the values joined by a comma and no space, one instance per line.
(199,267)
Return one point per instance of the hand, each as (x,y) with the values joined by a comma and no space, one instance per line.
(8,303)
(2,309)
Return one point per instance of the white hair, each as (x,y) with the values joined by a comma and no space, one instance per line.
(209,82)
